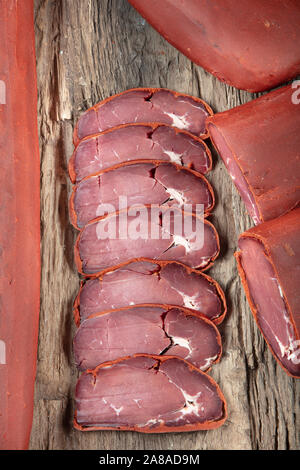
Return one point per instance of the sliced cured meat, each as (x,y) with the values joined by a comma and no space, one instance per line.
(259,143)
(140,183)
(267,298)
(19,223)
(151,330)
(145,105)
(269,267)
(146,233)
(164,283)
(148,394)
(135,142)
(258,56)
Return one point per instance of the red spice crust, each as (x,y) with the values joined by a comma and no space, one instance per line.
(237,56)
(209,123)
(251,132)
(20,223)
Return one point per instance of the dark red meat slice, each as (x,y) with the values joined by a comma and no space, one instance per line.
(148,394)
(161,283)
(140,183)
(121,238)
(259,143)
(253,45)
(145,105)
(151,330)
(138,141)
(270,270)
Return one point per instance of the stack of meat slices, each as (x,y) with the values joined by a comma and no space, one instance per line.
(146,313)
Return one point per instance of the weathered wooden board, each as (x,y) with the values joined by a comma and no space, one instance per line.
(86,51)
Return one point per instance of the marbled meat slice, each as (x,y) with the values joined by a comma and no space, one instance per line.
(139,183)
(152,330)
(145,105)
(145,282)
(148,394)
(130,142)
(154,233)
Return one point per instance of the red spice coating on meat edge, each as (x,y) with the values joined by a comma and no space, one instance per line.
(136,141)
(164,283)
(183,398)
(145,105)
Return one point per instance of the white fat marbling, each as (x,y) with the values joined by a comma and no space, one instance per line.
(174,157)
(178,121)
(189,301)
(209,362)
(177,196)
(179,240)
(178,341)
(116,410)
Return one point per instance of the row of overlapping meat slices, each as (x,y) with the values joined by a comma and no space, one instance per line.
(146,313)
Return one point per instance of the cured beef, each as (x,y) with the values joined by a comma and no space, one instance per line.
(19,222)
(269,267)
(140,183)
(259,143)
(163,283)
(152,330)
(145,233)
(138,141)
(252,45)
(148,394)
(145,105)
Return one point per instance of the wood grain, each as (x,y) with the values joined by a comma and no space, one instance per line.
(88,50)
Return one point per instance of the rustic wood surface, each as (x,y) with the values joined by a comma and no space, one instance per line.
(88,50)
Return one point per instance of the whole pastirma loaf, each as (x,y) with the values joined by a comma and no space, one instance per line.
(269,266)
(250,44)
(145,105)
(259,143)
(147,393)
(19,223)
